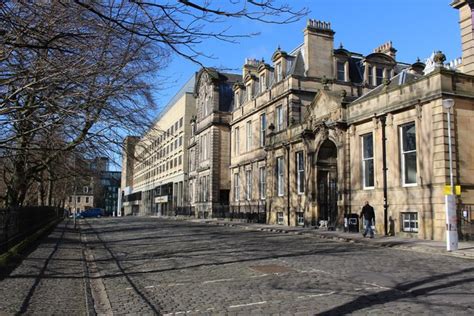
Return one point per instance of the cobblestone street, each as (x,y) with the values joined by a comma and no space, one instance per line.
(156,266)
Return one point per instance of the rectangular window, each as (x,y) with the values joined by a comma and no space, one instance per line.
(408,153)
(279,118)
(262,82)
(78,199)
(280,218)
(236,187)
(263,127)
(87,199)
(181,122)
(341,71)
(237,100)
(191,189)
(280,176)
(379,75)
(236,141)
(368,160)
(248,143)
(248,88)
(410,222)
(300,218)
(204,106)
(300,172)
(279,74)
(262,182)
(370,70)
(70,199)
(248,189)
(203,189)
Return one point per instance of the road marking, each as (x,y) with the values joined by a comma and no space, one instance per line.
(316,295)
(377,286)
(215,281)
(249,304)
(149,287)
(314,271)
(259,276)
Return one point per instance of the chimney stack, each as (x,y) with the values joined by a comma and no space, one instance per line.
(318,49)
(466,23)
(387,49)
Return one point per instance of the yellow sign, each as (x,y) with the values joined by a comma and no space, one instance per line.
(447,190)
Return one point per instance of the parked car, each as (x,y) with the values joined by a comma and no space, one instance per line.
(93,212)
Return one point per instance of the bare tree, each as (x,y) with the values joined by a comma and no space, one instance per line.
(82,72)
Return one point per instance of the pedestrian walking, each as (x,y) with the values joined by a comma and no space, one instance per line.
(369,219)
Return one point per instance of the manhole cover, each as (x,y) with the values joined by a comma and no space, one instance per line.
(271,268)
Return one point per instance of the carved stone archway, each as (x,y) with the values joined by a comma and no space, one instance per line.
(327,182)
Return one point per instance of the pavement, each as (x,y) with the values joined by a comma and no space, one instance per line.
(465,248)
(51,280)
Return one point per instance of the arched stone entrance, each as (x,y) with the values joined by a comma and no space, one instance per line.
(326,182)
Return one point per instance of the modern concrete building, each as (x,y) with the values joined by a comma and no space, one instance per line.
(155,166)
(209,146)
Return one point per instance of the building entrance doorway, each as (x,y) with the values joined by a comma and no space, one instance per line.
(326,166)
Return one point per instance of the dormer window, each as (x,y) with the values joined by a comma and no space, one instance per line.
(279,74)
(237,99)
(341,71)
(248,88)
(370,71)
(262,83)
(378,76)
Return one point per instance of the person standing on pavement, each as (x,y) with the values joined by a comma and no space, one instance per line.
(369,219)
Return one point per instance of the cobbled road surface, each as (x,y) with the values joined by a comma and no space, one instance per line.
(157,266)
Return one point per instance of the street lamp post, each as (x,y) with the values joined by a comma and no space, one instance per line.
(450,199)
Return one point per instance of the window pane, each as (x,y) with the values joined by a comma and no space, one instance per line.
(263,127)
(379,75)
(368,146)
(340,71)
(410,167)
(280,176)
(409,137)
(369,173)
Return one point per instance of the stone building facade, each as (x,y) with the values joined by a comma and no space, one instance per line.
(209,145)
(269,167)
(319,131)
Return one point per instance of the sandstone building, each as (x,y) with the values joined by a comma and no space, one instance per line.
(209,145)
(319,131)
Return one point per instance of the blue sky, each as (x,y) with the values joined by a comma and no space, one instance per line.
(416,28)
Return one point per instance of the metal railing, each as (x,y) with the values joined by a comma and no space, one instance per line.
(17,224)
(255,214)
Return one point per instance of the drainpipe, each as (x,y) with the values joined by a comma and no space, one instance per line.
(288,160)
(383,119)
(288,182)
